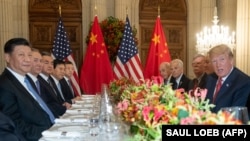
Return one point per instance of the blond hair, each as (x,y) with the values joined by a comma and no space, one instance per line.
(221,49)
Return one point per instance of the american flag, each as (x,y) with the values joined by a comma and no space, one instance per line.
(128,62)
(61,50)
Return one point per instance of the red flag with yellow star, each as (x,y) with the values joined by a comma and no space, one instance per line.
(158,51)
(96,68)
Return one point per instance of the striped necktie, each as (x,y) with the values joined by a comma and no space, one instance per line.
(38,87)
(71,88)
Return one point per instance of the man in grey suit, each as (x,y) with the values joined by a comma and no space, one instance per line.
(227,86)
(16,100)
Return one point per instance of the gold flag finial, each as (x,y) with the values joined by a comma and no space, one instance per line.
(60,10)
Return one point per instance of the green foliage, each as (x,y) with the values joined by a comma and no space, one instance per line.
(112,30)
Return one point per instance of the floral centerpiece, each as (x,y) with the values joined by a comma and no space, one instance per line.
(147,105)
(112,30)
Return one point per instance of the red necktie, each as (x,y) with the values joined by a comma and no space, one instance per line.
(218,86)
(195,83)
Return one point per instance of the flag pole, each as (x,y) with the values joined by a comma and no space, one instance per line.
(95,9)
(60,10)
(126,10)
(159,10)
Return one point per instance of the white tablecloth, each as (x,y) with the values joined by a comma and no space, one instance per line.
(74,126)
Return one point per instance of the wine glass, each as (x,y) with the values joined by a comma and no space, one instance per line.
(239,113)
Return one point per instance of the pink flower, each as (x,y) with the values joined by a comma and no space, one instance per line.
(157,80)
(202,93)
(122,106)
(145,112)
(187,121)
(198,93)
(158,112)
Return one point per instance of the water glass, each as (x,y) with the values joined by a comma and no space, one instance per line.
(240,113)
(93,121)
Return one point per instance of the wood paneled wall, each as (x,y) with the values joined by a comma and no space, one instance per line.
(173,16)
(43,20)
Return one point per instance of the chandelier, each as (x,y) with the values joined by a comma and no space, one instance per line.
(217,34)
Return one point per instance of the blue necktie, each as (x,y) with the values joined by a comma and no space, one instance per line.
(39,100)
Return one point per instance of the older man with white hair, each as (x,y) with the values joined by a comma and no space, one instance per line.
(178,79)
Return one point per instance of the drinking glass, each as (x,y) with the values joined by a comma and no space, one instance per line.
(239,113)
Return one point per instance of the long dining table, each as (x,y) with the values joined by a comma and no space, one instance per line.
(80,123)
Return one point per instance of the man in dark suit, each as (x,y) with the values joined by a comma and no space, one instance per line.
(165,72)
(227,86)
(8,131)
(178,79)
(198,65)
(56,76)
(46,80)
(66,84)
(42,88)
(16,101)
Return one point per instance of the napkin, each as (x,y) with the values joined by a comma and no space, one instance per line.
(75,111)
(76,106)
(70,120)
(89,101)
(48,133)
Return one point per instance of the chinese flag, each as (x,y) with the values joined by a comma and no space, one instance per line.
(96,68)
(158,51)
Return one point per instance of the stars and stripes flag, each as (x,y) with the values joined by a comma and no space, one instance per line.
(61,50)
(128,62)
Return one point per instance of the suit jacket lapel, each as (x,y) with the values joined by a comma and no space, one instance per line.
(45,84)
(55,88)
(20,87)
(211,86)
(66,89)
(227,83)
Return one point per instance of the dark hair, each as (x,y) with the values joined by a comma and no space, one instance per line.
(68,62)
(58,62)
(45,53)
(36,50)
(12,43)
